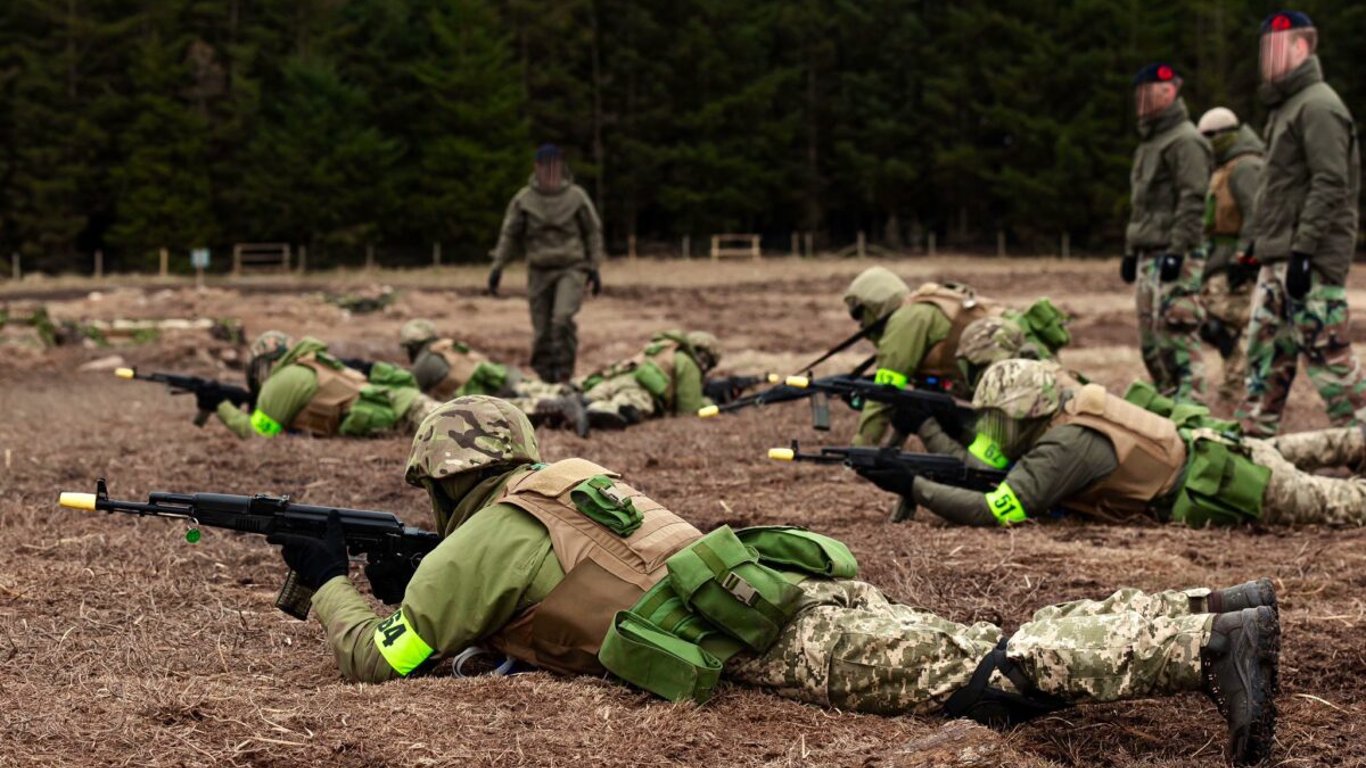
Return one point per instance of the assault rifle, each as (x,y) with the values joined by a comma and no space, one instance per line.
(893,470)
(379,535)
(730,388)
(953,415)
(181,385)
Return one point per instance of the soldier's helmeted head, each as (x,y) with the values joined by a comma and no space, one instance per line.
(415,334)
(1219,125)
(990,340)
(875,294)
(264,352)
(1288,39)
(1015,400)
(549,168)
(706,349)
(463,443)
(1156,87)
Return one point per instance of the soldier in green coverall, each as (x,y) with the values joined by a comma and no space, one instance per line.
(665,379)
(301,388)
(567,568)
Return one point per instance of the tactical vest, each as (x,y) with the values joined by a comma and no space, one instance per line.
(604,573)
(337,390)
(1150,451)
(460,367)
(962,306)
(1228,217)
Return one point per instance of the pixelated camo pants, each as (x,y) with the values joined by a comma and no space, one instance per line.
(528,395)
(856,650)
(1168,316)
(1294,496)
(620,391)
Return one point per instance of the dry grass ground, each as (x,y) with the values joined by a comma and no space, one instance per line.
(124,645)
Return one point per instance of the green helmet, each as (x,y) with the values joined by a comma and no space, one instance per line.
(875,294)
(470,434)
(416,332)
(268,348)
(1019,389)
(706,348)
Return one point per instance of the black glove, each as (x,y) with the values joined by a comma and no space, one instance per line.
(1171,267)
(495,277)
(891,480)
(315,560)
(907,420)
(206,399)
(1297,277)
(1128,268)
(389,579)
(595,281)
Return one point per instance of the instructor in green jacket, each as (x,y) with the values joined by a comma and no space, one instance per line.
(553,222)
(1164,249)
(1305,232)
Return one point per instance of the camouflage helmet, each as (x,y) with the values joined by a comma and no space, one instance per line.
(990,340)
(416,332)
(470,434)
(271,344)
(1019,389)
(706,347)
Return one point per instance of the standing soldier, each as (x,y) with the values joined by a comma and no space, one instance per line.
(1163,249)
(1305,232)
(1227,290)
(553,222)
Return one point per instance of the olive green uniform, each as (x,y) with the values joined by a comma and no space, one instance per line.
(1168,183)
(561,235)
(1306,204)
(1226,292)
(390,398)
(848,646)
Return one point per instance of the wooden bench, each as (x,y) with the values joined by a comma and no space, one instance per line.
(729,246)
(260,256)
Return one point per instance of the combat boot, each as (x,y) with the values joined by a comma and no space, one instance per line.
(1239,669)
(1248,595)
(575,414)
(605,419)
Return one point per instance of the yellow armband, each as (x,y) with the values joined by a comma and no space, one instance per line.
(264,425)
(400,644)
(1005,507)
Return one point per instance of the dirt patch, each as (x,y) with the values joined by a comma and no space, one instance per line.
(124,645)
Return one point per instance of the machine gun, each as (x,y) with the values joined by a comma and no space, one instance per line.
(730,388)
(181,385)
(380,536)
(953,415)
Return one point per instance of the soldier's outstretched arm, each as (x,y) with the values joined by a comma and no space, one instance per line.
(510,235)
(471,585)
(688,397)
(234,418)
(591,226)
(1064,462)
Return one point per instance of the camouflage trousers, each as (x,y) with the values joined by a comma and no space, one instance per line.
(1295,496)
(1168,316)
(1282,329)
(611,395)
(411,418)
(529,395)
(1231,307)
(856,650)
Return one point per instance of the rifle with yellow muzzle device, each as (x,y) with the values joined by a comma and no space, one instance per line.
(184,385)
(952,414)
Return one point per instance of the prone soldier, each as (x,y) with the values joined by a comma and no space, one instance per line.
(666,378)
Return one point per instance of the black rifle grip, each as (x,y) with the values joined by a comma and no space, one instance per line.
(820,412)
(294,599)
(201,418)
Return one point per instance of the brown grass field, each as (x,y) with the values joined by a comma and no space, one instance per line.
(124,645)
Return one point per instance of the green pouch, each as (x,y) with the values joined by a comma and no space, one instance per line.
(720,578)
(789,547)
(647,657)
(1221,487)
(487,379)
(649,376)
(1146,396)
(1192,416)
(390,375)
(1048,324)
(371,414)
(600,501)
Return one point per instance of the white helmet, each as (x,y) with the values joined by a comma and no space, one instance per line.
(1217,120)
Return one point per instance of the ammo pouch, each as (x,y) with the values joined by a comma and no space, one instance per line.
(721,579)
(1047,323)
(602,503)
(1189,416)
(390,375)
(789,547)
(487,379)
(1146,396)
(649,376)
(1221,487)
(371,413)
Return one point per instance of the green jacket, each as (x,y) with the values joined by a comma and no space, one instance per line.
(1307,200)
(555,228)
(1242,184)
(1168,183)
(901,346)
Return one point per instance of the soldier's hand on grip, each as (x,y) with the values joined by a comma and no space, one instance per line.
(891,480)
(595,281)
(317,561)
(1128,268)
(495,277)
(1171,266)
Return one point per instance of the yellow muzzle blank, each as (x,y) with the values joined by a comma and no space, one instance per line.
(126,373)
(800,382)
(74,500)
(709,411)
(782,454)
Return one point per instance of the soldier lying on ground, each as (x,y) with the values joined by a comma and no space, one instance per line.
(665,379)
(567,568)
(1080,448)
(446,368)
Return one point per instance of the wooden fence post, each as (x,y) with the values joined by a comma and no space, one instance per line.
(1000,242)
(1066,244)
(810,244)
(303,258)
(687,246)
(929,244)
(165,262)
(862,244)
(631,247)
(436,254)
(16,273)
(99,264)
(796,244)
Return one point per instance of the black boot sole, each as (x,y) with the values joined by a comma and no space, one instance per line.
(1254,745)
